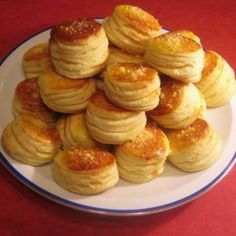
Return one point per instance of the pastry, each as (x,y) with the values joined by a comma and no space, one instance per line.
(142,159)
(132,86)
(30,140)
(78,48)
(73,131)
(217,83)
(194,148)
(179,106)
(65,95)
(177,56)
(117,55)
(110,124)
(130,28)
(36,60)
(85,170)
(27,100)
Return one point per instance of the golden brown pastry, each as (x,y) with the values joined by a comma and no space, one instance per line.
(110,124)
(85,170)
(130,28)
(65,95)
(179,106)
(36,60)
(132,86)
(73,131)
(117,55)
(30,140)
(142,159)
(173,54)
(78,48)
(27,100)
(194,148)
(187,34)
(217,83)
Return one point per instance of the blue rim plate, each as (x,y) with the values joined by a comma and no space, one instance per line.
(172,189)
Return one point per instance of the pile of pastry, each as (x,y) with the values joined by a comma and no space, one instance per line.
(118,99)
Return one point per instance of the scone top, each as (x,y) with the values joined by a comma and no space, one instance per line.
(151,143)
(187,137)
(80,158)
(172,43)
(52,80)
(100,102)
(75,30)
(28,95)
(27,92)
(132,73)
(38,52)
(137,17)
(170,97)
(187,34)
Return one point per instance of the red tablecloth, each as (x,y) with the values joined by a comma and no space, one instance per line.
(23,212)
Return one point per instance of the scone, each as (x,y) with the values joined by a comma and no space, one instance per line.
(217,83)
(142,159)
(78,48)
(30,140)
(73,131)
(179,106)
(27,100)
(85,170)
(194,148)
(130,28)
(65,95)
(117,55)
(132,86)
(36,60)
(173,54)
(110,124)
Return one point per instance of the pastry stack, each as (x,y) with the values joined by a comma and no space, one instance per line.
(117,100)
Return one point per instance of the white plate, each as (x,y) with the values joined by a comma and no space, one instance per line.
(173,188)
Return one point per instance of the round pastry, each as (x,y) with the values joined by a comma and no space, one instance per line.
(179,106)
(36,60)
(132,86)
(30,140)
(65,95)
(73,131)
(27,100)
(142,159)
(117,55)
(130,28)
(110,124)
(194,148)
(173,54)
(78,48)
(85,170)
(217,83)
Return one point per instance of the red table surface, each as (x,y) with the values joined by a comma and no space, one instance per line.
(23,212)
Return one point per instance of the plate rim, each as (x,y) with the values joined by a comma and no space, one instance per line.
(98,210)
